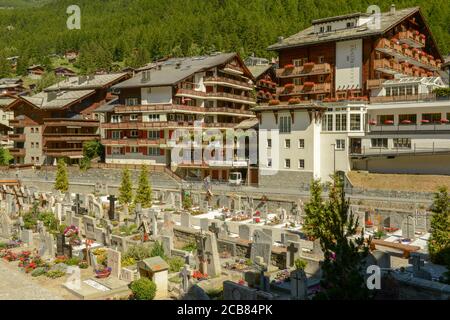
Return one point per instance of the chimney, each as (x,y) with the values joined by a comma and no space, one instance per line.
(392,11)
(178,65)
(280,39)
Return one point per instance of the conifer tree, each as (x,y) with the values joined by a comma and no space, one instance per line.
(5,67)
(313,210)
(439,242)
(62,181)
(344,253)
(144,190)
(125,190)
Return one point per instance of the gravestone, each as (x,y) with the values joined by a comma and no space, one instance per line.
(409,228)
(167,243)
(261,247)
(112,207)
(114,262)
(299,287)
(89,227)
(27,237)
(60,243)
(185,219)
(292,253)
(5,226)
(235,291)
(244,232)
(417,266)
(185,275)
(208,254)
(118,243)
(99,235)
(224,231)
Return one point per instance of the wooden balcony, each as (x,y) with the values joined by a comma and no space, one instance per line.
(404,98)
(229,68)
(316,69)
(411,39)
(134,125)
(63,122)
(15,123)
(374,83)
(190,93)
(70,137)
(231,97)
(388,67)
(223,81)
(395,50)
(17,137)
(63,152)
(17,152)
(133,142)
(166,108)
(306,89)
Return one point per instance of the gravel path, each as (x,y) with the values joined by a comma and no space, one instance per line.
(17,286)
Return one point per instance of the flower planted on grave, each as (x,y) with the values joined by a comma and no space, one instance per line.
(241,282)
(10,256)
(199,276)
(103,272)
(75,240)
(83,265)
(70,231)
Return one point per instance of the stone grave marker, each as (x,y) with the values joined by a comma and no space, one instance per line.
(244,232)
(185,219)
(89,227)
(299,286)
(292,253)
(114,262)
(235,291)
(409,228)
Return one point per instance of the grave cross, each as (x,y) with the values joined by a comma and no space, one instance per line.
(185,274)
(292,249)
(77,207)
(214,229)
(112,202)
(417,262)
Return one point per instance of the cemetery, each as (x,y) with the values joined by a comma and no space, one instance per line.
(93,247)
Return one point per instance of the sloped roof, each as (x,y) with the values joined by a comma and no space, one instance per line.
(87,82)
(169,74)
(45,100)
(258,70)
(307,36)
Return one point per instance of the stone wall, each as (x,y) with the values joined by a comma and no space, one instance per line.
(286,179)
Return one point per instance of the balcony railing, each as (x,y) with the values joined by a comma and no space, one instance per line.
(164,124)
(375,83)
(230,96)
(233,69)
(179,107)
(15,123)
(133,142)
(17,137)
(302,71)
(228,82)
(17,152)
(411,39)
(190,93)
(61,152)
(414,127)
(306,89)
(432,148)
(70,137)
(386,66)
(395,50)
(64,122)
(405,98)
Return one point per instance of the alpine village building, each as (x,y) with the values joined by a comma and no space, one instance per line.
(355,95)
(57,121)
(210,92)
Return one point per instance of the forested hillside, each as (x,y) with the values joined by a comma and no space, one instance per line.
(135,31)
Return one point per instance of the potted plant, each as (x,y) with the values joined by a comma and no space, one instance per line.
(294,101)
(289,66)
(103,272)
(274,102)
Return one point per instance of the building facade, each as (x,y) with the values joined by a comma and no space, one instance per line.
(209,92)
(56,122)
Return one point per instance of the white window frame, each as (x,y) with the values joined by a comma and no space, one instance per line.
(301,143)
(300,162)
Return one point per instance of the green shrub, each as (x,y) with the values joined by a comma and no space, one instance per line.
(3,245)
(53,274)
(157,250)
(143,289)
(38,272)
(128,261)
(138,252)
(175,264)
(83,265)
(192,246)
(300,264)
(74,261)
(49,220)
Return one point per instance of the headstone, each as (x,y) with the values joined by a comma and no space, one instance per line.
(89,227)
(167,243)
(244,232)
(112,207)
(292,253)
(204,224)
(114,262)
(417,265)
(409,228)
(235,291)
(185,219)
(60,243)
(185,275)
(208,254)
(299,287)
(27,237)
(261,247)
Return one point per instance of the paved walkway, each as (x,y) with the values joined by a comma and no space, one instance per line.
(17,286)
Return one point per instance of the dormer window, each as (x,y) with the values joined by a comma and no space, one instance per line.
(322,29)
(350,25)
(329,28)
